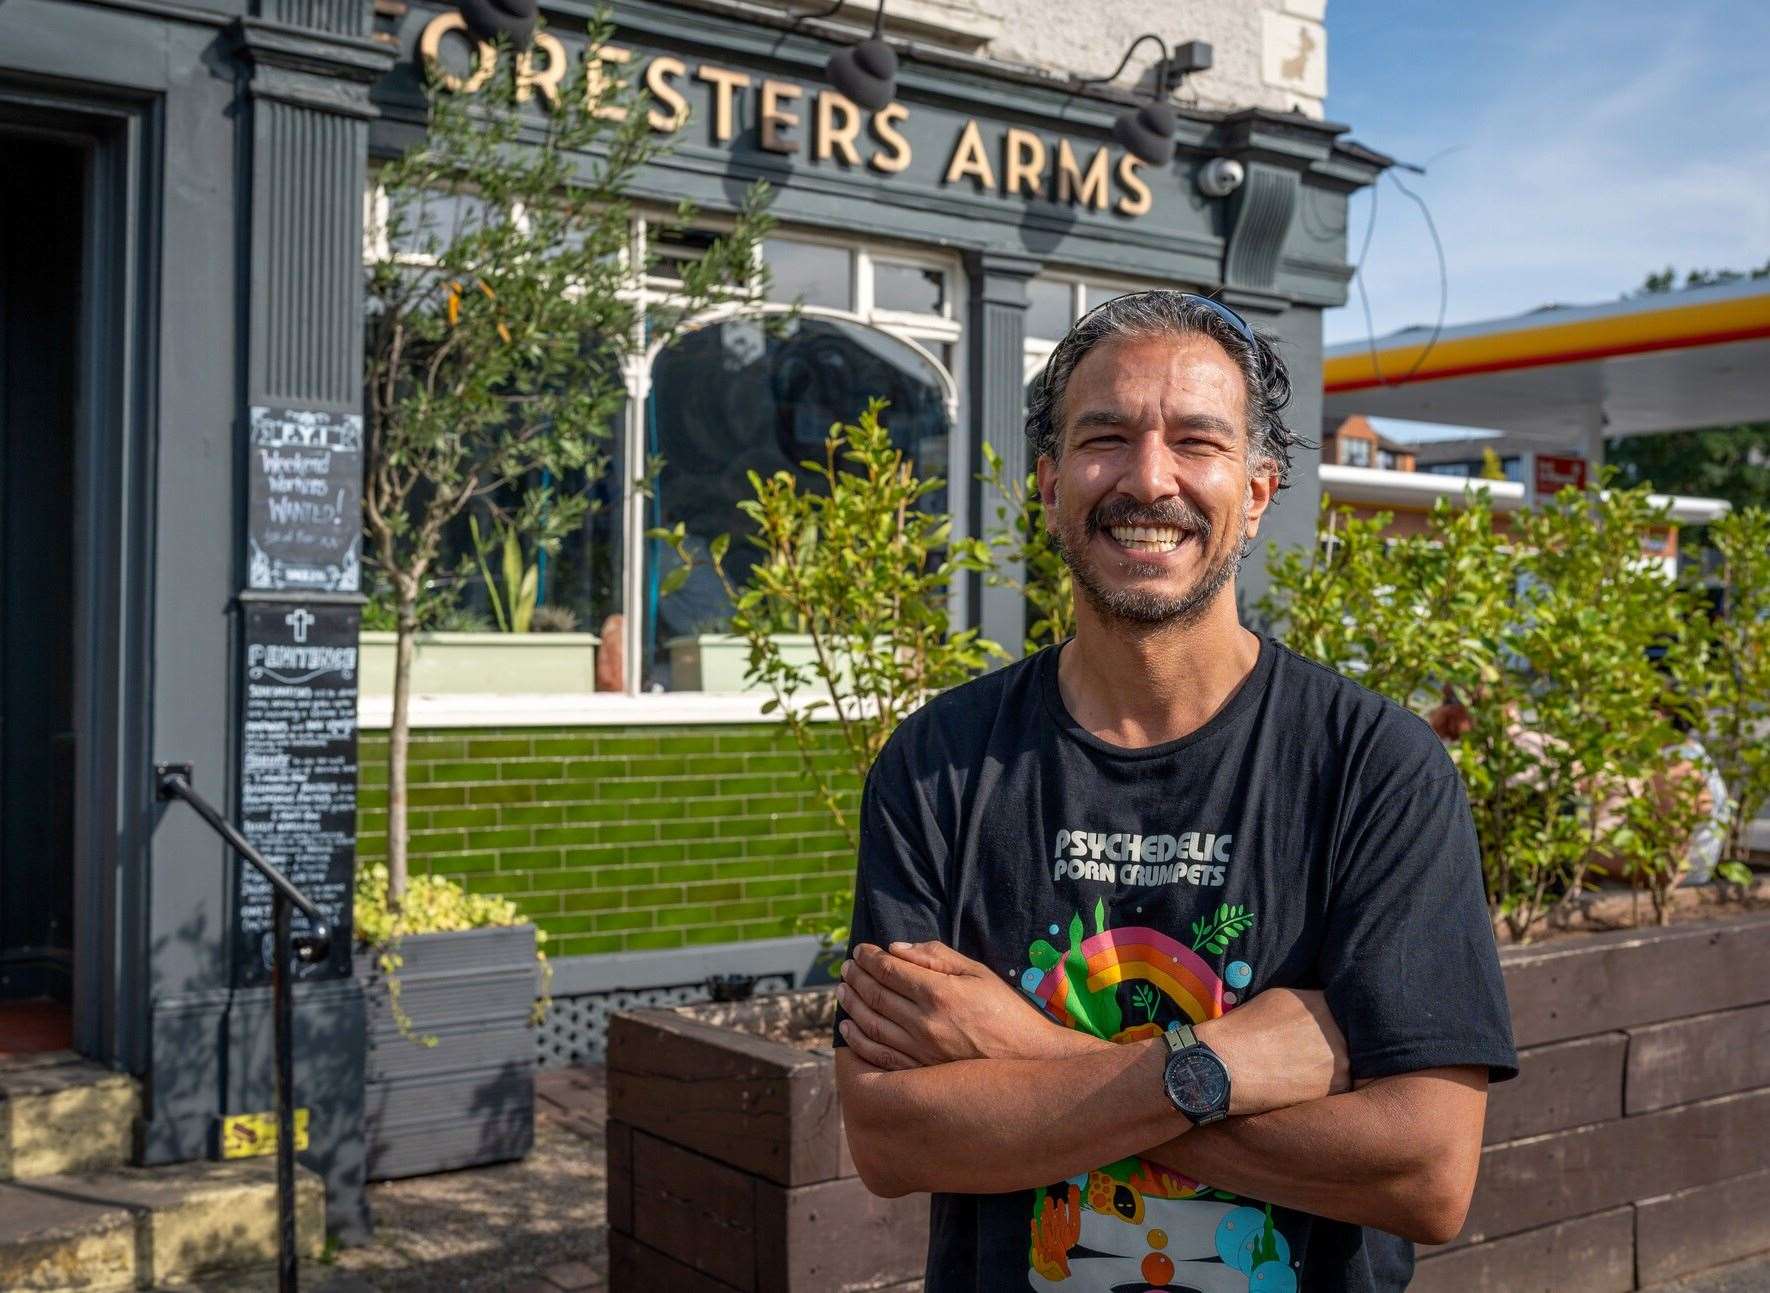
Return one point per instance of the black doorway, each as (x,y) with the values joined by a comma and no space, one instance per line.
(41,290)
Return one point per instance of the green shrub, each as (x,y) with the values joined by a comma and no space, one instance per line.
(1739,733)
(1577,660)
(855,562)
(1022,543)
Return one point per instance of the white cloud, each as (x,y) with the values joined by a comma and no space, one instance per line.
(1611,144)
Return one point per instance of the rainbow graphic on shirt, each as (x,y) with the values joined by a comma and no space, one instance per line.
(1137,1224)
(1137,953)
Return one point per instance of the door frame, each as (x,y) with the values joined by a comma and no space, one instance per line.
(115,443)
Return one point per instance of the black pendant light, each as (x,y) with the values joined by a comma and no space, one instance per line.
(866,73)
(514,20)
(1147,131)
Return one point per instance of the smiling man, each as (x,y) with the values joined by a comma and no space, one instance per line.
(1171,967)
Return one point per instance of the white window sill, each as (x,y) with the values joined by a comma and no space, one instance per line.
(604,709)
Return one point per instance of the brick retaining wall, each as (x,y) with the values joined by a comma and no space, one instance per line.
(1633,1148)
(1635,1144)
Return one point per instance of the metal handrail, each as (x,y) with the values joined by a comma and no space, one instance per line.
(173,781)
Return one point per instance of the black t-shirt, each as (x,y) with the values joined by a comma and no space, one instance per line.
(1310,835)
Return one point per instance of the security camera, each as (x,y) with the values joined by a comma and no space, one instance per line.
(1221,176)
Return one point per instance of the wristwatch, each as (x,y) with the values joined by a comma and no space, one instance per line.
(1197,1082)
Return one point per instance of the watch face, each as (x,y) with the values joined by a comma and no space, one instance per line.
(1197,1081)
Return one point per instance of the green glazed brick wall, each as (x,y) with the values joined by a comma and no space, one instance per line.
(621,839)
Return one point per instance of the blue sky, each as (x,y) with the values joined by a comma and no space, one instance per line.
(1571,147)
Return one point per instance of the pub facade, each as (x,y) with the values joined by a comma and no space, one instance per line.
(191,198)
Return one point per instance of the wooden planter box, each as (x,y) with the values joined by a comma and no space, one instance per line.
(470,1099)
(1634,1146)
(717,662)
(1632,1149)
(727,1164)
(451,664)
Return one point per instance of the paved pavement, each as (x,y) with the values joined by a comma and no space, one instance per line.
(540,1226)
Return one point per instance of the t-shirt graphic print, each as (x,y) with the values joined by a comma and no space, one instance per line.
(1135,1223)
(1310,835)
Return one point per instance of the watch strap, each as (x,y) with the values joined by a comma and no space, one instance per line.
(1180,1036)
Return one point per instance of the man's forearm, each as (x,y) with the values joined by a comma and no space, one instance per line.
(990,1126)
(1390,1154)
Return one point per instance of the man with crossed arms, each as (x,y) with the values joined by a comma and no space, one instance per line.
(1171,961)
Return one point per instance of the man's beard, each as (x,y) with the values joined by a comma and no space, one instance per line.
(1141,607)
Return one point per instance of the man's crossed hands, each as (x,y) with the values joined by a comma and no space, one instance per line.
(914,1005)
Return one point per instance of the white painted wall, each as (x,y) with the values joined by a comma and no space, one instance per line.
(1268,53)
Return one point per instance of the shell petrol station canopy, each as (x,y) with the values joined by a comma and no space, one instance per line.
(1558,378)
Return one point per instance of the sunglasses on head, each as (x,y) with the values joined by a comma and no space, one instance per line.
(1223,312)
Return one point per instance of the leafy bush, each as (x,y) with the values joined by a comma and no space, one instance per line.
(1022,542)
(1574,662)
(855,562)
(1739,733)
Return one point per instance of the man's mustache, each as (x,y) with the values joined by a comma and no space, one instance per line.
(1172,513)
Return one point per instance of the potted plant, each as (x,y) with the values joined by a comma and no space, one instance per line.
(455,986)
(501,325)
(527,648)
(722,662)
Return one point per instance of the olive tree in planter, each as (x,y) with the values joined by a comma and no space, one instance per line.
(502,323)
(498,348)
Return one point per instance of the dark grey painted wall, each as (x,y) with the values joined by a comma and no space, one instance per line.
(1290,522)
(164,92)
(1275,249)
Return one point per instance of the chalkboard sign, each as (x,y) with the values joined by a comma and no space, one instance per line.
(305,500)
(298,775)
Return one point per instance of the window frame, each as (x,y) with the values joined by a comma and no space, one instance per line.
(925,334)
(915,330)
(1037,350)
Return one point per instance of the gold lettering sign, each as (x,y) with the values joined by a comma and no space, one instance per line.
(661,76)
(598,86)
(828,138)
(885,123)
(969,159)
(1073,186)
(776,120)
(829,128)
(723,83)
(1136,200)
(547,77)
(1023,163)
(485,55)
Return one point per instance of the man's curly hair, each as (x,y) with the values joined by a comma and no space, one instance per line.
(1159,314)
